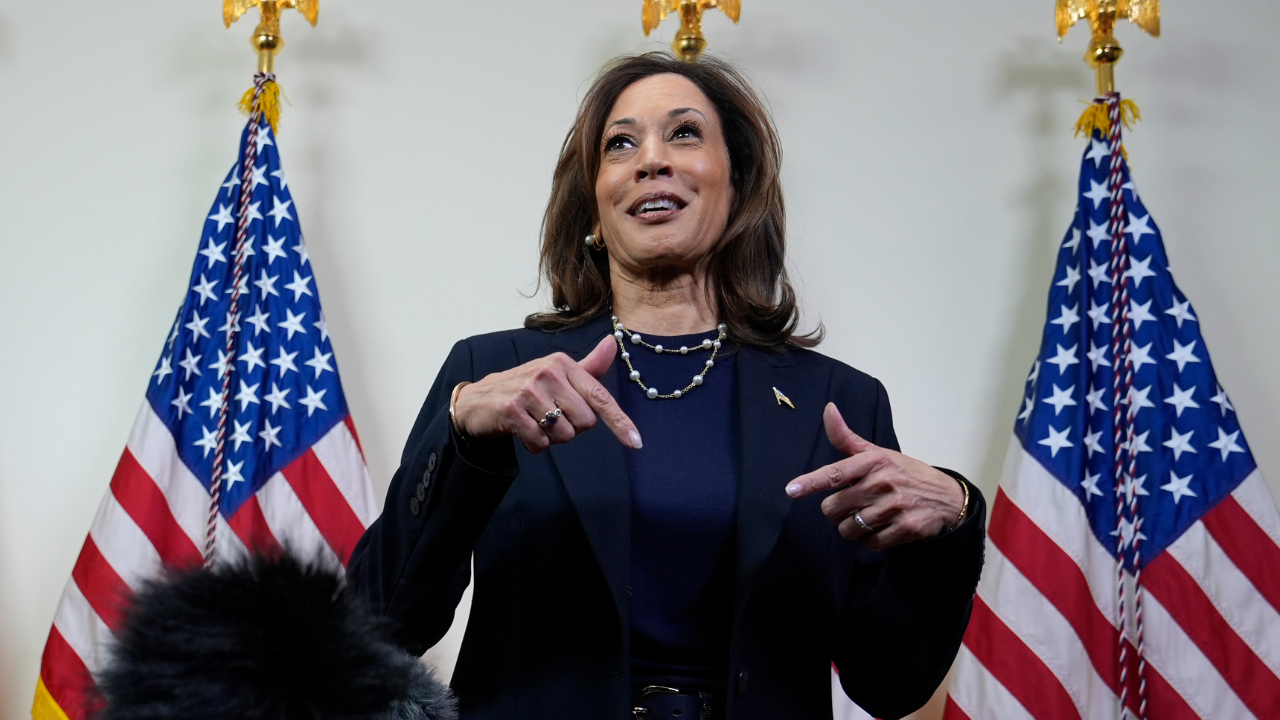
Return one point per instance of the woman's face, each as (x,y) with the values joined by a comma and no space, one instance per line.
(664,188)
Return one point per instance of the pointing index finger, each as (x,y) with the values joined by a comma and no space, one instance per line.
(604,406)
(829,477)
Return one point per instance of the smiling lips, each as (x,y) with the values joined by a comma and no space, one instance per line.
(656,206)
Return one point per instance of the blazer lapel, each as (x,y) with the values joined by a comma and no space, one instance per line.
(593,469)
(777,441)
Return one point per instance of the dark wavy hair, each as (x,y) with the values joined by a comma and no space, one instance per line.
(746,268)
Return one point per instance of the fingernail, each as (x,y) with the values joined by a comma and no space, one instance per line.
(634,437)
(794,489)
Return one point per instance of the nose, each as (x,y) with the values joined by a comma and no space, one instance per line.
(653,161)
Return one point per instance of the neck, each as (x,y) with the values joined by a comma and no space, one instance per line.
(674,304)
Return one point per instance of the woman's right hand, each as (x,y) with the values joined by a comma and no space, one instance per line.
(512,402)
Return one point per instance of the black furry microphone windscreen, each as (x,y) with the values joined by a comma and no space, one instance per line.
(267,638)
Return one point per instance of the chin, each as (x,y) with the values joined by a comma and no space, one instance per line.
(660,246)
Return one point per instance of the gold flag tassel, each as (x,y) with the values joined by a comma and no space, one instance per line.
(1095,117)
(268,103)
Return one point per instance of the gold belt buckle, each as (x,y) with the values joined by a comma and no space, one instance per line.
(704,700)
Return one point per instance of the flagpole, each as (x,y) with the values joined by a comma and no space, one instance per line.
(1103,54)
(266,37)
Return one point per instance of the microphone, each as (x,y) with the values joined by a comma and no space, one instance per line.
(268,637)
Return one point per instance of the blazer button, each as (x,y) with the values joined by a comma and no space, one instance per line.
(431,463)
(742,683)
(415,507)
(420,493)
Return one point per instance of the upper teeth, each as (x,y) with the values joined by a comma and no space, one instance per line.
(657,205)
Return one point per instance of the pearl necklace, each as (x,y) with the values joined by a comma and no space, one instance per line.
(620,331)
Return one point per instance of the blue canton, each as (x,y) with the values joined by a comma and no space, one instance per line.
(285,393)
(1191,451)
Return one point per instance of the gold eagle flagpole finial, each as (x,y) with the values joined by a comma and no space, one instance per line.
(1104,51)
(266,37)
(689,42)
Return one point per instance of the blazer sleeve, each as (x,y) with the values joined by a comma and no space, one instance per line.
(414,562)
(906,611)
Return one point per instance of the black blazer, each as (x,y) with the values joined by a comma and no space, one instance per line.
(549,631)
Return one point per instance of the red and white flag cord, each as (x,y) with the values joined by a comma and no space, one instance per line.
(1124,439)
(233,318)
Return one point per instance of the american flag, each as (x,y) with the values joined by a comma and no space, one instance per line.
(293,475)
(1163,487)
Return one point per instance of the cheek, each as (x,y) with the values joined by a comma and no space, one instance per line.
(610,189)
(716,181)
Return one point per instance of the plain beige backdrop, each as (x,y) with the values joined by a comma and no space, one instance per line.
(930,172)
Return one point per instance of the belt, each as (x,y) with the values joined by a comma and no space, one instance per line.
(658,702)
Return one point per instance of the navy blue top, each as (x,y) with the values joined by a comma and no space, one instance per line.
(684,495)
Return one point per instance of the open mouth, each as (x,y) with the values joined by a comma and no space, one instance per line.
(654,206)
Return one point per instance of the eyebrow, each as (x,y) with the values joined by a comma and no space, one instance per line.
(683,110)
(674,113)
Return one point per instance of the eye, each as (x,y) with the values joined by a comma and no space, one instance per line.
(618,142)
(687,131)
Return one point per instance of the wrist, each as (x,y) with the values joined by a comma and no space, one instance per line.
(964,505)
(458,428)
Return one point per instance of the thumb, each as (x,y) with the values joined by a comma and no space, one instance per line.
(844,439)
(597,362)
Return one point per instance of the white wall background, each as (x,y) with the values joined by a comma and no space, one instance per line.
(930,169)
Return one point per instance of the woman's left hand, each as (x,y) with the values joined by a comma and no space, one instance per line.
(900,498)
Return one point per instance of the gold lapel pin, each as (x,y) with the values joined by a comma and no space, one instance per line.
(783,398)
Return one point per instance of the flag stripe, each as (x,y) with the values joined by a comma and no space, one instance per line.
(228,547)
(101,585)
(1249,547)
(351,427)
(979,694)
(251,527)
(1059,579)
(67,679)
(1046,633)
(1163,701)
(325,504)
(154,450)
(1257,686)
(1016,667)
(1196,678)
(123,544)
(1057,512)
(952,711)
(139,496)
(81,628)
(1234,598)
(338,452)
(291,525)
(1255,499)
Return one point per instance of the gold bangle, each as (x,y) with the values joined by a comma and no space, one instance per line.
(964,509)
(453,414)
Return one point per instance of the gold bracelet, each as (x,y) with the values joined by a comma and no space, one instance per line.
(964,509)
(453,416)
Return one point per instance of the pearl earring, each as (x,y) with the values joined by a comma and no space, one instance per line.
(589,240)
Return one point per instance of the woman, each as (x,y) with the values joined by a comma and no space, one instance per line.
(690,558)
